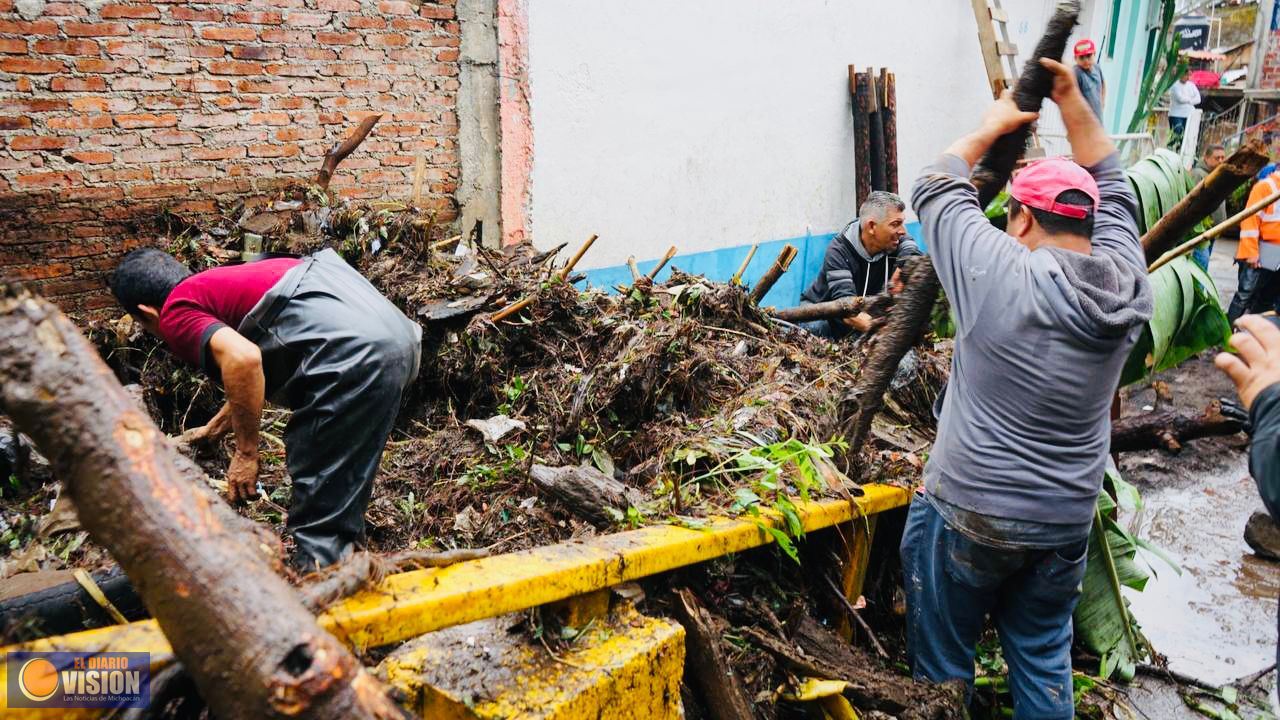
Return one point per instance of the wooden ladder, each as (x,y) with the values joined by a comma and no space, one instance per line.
(998,53)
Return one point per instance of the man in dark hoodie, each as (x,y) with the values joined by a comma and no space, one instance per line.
(1046,315)
(861,260)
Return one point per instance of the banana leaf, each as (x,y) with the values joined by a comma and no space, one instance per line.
(1186,319)
(1148,198)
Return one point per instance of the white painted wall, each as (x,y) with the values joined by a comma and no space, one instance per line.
(715,123)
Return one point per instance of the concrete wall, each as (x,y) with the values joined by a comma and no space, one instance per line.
(109,112)
(721,123)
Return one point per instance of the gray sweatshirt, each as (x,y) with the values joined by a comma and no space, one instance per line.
(1041,337)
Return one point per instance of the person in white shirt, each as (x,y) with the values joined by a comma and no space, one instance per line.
(1185,96)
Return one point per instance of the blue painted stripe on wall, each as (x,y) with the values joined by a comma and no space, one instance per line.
(721,264)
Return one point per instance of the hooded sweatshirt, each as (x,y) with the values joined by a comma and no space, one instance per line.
(848,270)
(1041,337)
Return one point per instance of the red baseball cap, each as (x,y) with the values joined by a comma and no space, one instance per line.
(1085,47)
(1039,184)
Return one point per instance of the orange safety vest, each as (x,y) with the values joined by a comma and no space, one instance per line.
(1264,226)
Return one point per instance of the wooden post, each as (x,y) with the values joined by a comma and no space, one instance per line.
(774,272)
(877,132)
(861,135)
(205,573)
(889,114)
(707,664)
(1171,229)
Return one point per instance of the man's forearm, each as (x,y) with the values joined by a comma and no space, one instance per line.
(246,387)
(1090,143)
(973,146)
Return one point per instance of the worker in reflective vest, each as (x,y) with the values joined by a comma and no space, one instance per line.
(1258,289)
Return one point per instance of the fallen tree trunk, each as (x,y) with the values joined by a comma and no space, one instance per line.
(1171,229)
(1168,430)
(914,306)
(241,631)
(587,492)
(834,309)
(706,664)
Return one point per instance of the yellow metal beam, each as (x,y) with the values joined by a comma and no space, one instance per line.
(409,604)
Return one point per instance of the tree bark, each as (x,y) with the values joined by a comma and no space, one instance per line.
(1174,227)
(1034,85)
(1168,430)
(339,152)
(774,273)
(889,116)
(907,321)
(834,309)
(861,135)
(205,573)
(587,492)
(877,132)
(706,664)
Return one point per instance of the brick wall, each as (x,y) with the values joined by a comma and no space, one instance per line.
(110,112)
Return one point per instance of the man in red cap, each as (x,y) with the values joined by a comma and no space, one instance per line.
(1089,76)
(1046,314)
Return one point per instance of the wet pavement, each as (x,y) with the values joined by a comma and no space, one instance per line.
(1216,621)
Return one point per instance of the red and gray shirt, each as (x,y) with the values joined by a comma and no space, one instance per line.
(216,298)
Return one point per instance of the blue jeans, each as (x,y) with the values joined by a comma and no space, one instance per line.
(1201,256)
(953,584)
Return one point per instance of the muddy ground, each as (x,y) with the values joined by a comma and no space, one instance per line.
(1217,620)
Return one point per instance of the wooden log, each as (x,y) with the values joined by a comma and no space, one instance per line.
(877,132)
(889,115)
(1214,231)
(861,135)
(205,573)
(835,309)
(339,152)
(706,663)
(906,323)
(774,273)
(1173,228)
(587,492)
(1034,85)
(1168,430)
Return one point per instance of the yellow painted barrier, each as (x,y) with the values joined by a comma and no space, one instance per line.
(406,605)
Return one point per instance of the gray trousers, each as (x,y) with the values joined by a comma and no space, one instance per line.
(341,356)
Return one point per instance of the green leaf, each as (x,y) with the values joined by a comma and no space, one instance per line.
(1148,197)
(1166,314)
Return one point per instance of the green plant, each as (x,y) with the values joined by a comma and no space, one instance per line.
(768,467)
(1103,623)
(512,391)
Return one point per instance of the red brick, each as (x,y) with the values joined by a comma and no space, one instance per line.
(32,104)
(149,156)
(172,67)
(170,102)
(291,134)
(175,137)
(230,67)
(90,104)
(359,54)
(49,179)
(389,40)
(206,51)
(31,66)
(135,12)
(47,270)
(24,85)
(293,37)
(437,13)
(98,65)
(229,34)
(115,139)
(364,22)
(257,52)
(39,27)
(417,24)
(201,85)
(163,31)
(231,102)
(79,122)
(345,70)
(256,18)
(77,29)
(339,5)
(292,70)
(226,153)
(297,19)
(144,192)
(93,193)
(141,83)
(312,53)
(90,157)
(257,86)
(273,151)
(337,38)
(65,9)
(13,46)
(146,120)
(289,103)
(198,120)
(262,118)
(181,12)
(18,122)
(131,48)
(67,47)
(70,84)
